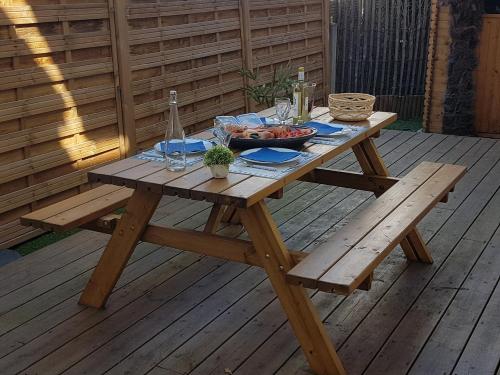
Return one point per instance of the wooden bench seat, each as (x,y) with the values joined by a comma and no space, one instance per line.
(91,207)
(345,261)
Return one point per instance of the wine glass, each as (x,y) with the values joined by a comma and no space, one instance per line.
(222,132)
(283,107)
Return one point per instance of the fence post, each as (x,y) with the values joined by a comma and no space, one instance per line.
(333,54)
(326,49)
(124,94)
(433,35)
(246,46)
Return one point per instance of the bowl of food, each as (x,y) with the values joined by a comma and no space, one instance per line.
(244,138)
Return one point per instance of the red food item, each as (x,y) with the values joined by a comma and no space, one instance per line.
(278,132)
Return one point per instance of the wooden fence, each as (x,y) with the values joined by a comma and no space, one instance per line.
(86,82)
(382,50)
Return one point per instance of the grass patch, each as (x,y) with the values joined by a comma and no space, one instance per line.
(407,125)
(44,240)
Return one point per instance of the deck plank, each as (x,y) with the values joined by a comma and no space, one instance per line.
(175,312)
(482,353)
(460,318)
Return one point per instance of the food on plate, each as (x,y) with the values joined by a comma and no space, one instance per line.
(273,132)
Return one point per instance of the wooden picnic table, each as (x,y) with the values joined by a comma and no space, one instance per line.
(241,199)
(266,248)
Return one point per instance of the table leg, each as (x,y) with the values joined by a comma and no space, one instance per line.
(214,219)
(301,313)
(129,230)
(372,164)
(228,214)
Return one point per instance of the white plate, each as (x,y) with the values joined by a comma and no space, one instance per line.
(208,145)
(248,152)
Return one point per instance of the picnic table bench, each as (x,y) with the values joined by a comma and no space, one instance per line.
(342,263)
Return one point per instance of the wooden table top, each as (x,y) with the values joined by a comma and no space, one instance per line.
(240,190)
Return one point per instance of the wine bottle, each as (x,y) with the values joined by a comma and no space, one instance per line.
(175,141)
(298,98)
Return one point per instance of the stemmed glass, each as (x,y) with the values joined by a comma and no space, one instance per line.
(283,107)
(222,132)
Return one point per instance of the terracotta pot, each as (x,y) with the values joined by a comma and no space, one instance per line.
(219,171)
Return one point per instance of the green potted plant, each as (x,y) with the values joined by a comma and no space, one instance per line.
(218,159)
(264,89)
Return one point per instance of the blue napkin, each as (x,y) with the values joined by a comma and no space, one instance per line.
(323,129)
(271,156)
(173,147)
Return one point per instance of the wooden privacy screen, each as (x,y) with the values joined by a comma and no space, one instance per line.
(198,47)
(58,108)
(86,82)
(382,50)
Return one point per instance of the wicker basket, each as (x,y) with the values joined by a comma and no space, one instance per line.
(351,107)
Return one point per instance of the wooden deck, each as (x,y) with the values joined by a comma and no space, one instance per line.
(177,313)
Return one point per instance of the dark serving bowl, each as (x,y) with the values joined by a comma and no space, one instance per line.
(295,143)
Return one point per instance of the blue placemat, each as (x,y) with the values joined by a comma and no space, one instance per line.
(323,128)
(274,171)
(271,156)
(349,132)
(197,146)
(153,155)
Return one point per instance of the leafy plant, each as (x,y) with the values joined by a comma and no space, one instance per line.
(218,155)
(281,85)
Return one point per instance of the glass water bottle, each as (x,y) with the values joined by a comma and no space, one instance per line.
(175,142)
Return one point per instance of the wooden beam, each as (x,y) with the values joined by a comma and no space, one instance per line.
(326,50)
(246,46)
(202,243)
(351,180)
(302,316)
(105,224)
(235,250)
(228,214)
(121,52)
(140,209)
(205,243)
(214,219)
(277,194)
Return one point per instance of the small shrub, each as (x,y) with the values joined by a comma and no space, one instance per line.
(218,155)
(281,85)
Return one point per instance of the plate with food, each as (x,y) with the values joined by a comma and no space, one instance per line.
(245,138)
